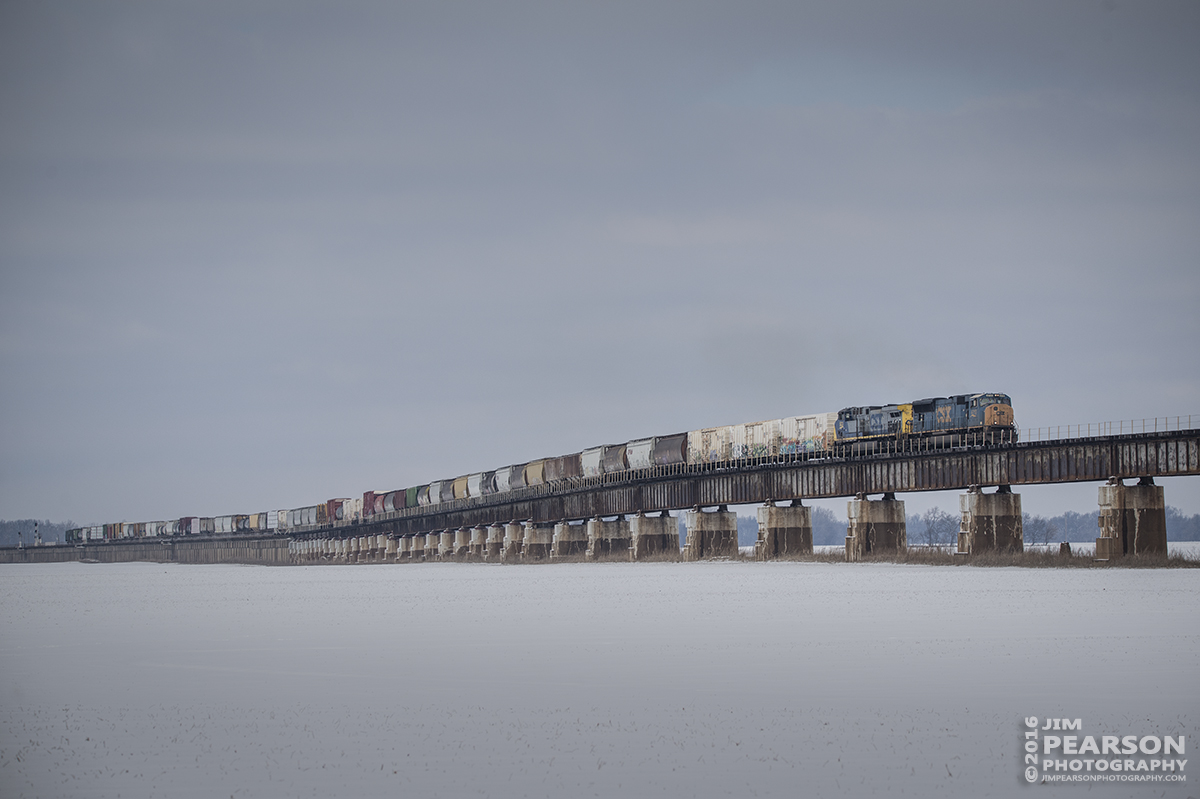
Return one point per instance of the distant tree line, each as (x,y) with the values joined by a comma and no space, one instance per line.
(22,529)
(934,527)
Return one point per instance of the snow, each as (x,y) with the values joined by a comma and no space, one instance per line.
(1188,549)
(611,680)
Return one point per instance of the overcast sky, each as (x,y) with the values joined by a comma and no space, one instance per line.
(257,255)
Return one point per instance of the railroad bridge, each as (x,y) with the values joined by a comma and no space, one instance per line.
(539,520)
(626,514)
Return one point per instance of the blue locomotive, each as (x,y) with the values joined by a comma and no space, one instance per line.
(969,418)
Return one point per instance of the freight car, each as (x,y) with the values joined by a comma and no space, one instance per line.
(933,423)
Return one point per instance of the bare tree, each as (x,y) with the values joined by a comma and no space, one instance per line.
(940,528)
(1038,529)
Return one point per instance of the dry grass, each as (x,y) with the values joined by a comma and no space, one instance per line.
(659,557)
(837,556)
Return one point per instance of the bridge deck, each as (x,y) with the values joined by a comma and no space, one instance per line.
(1172,453)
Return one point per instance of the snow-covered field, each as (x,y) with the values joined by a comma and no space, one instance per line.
(612,680)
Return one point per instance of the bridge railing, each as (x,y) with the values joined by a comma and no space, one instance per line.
(1121,427)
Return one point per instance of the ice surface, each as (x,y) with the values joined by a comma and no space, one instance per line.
(612,680)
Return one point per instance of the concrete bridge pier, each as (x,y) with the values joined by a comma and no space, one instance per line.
(711,535)
(514,541)
(876,527)
(462,543)
(654,537)
(1133,519)
(783,531)
(494,549)
(570,540)
(403,548)
(990,522)
(539,538)
(416,547)
(432,544)
(608,539)
(445,550)
(380,552)
(479,535)
(391,552)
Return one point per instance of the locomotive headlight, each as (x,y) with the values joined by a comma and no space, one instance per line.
(998,415)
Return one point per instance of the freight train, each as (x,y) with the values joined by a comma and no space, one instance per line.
(933,423)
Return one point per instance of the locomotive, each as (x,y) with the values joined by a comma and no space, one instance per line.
(937,421)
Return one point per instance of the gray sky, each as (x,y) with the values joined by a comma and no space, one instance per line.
(257,255)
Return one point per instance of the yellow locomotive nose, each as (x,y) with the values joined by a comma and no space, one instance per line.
(998,415)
